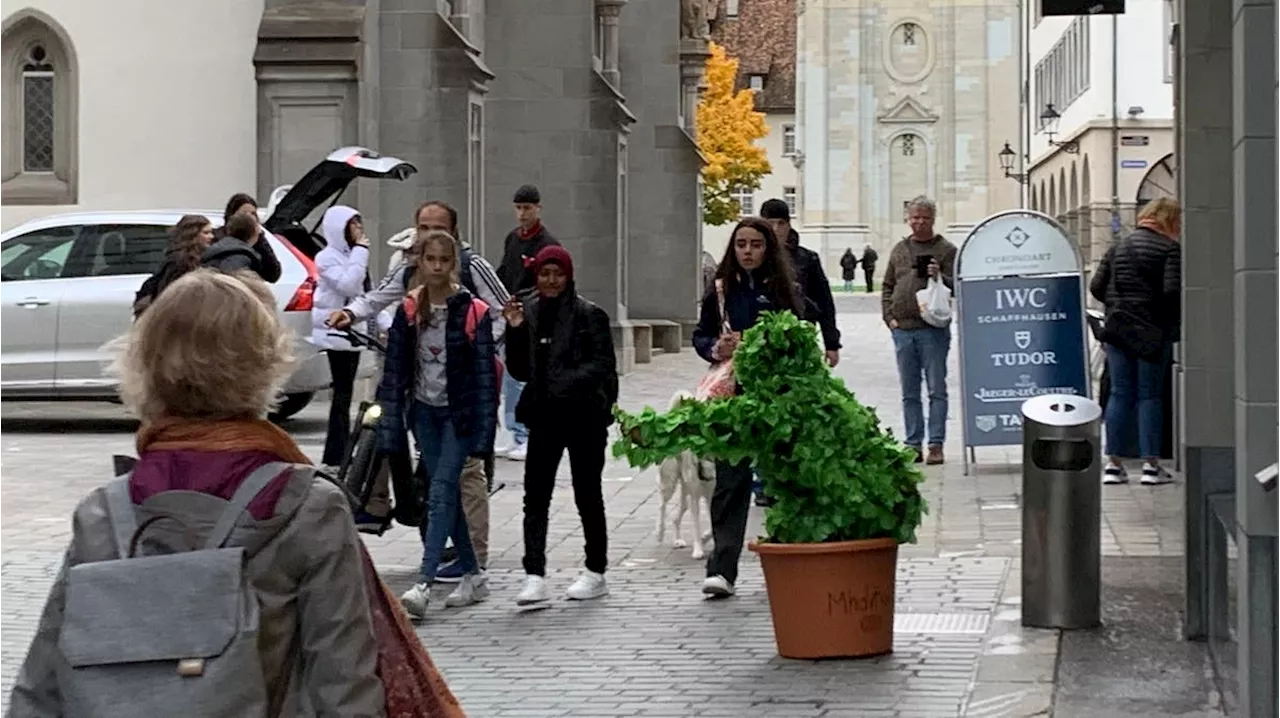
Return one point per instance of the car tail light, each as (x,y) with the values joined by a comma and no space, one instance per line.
(304,297)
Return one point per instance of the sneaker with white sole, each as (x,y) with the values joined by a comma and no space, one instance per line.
(534,591)
(1115,474)
(717,587)
(415,600)
(519,452)
(473,588)
(1153,475)
(588,586)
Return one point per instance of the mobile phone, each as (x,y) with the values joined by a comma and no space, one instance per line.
(922,265)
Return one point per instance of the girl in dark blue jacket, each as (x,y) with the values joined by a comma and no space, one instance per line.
(755,276)
(440,372)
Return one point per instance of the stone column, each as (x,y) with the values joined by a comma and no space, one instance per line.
(1207,361)
(693,63)
(1253,81)
(607,12)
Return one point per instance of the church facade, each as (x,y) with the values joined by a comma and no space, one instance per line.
(899,98)
(587,99)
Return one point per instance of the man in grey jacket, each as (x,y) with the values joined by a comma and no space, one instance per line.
(477,275)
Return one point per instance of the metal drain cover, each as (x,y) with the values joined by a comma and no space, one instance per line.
(948,623)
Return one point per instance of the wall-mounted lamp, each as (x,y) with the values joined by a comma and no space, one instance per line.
(1006,157)
(1049,120)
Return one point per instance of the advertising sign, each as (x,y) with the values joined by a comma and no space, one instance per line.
(1021,323)
(1022,338)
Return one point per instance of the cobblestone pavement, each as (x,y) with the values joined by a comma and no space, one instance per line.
(653,647)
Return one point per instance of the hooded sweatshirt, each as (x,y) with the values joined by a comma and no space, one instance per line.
(343,271)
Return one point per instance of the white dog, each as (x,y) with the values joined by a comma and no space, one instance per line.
(696,480)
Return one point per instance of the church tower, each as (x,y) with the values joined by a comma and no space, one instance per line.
(899,98)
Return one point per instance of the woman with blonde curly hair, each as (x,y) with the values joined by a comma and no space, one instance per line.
(201,368)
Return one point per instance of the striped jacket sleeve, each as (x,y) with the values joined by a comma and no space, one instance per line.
(493,292)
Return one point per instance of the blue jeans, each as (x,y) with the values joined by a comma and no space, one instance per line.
(510,398)
(1136,401)
(923,352)
(443,455)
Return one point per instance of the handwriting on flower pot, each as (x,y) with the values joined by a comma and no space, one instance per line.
(869,601)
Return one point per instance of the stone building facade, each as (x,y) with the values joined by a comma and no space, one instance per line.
(580,97)
(900,98)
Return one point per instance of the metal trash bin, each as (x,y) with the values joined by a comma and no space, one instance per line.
(1061,512)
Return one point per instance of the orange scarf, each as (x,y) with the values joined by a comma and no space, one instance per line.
(173,434)
(1158,227)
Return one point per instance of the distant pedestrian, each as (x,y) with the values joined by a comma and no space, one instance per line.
(869,259)
(808,273)
(921,349)
(187,241)
(561,345)
(1139,280)
(848,269)
(242,243)
(519,249)
(343,268)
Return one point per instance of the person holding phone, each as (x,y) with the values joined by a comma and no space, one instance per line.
(560,346)
(921,349)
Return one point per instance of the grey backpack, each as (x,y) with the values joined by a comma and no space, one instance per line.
(165,635)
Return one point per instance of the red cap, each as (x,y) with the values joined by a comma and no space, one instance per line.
(554,254)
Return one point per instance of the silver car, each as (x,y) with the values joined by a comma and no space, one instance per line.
(67,284)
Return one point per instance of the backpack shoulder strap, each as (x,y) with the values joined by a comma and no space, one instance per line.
(249,489)
(124,520)
(475,312)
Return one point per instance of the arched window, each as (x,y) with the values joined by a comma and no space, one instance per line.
(908,145)
(39,112)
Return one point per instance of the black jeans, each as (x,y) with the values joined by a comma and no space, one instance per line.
(730,506)
(586,447)
(343,367)
(867,274)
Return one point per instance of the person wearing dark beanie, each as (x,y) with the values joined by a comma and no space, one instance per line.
(809,274)
(516,273)
(561,345)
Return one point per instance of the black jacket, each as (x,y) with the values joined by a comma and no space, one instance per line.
(869,259)
(230,254)
(1142,274)
(574,378)
(518,254)
(848,266)
(170,270)
(817,289)
(744,302)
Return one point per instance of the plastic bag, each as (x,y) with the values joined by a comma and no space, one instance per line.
(935,304)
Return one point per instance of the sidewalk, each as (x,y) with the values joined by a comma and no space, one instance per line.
(655,648)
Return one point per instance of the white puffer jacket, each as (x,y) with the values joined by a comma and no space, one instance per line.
(342,270)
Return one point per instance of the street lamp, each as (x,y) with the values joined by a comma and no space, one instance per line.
(1049,120)
(1006,157)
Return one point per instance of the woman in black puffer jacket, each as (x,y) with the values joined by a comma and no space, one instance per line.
(1140,282)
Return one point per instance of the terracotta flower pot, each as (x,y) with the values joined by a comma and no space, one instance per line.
(831,600)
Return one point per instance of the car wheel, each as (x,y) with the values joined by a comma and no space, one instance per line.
(290,404)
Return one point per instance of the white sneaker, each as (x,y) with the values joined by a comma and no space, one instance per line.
(415,600)
(501,451)
(588,586)
(534,591)
(1155,475)
(519,452)
(473,588)
(1115,474)
(717,587)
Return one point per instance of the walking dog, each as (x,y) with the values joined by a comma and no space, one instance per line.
(696,480)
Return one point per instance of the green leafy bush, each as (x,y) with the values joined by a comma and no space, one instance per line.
(834,473)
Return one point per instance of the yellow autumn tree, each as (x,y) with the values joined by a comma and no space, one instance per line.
(728,127)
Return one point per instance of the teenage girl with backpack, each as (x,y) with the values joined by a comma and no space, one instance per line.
(441,374)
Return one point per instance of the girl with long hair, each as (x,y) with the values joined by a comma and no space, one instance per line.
(440,374)
(187,241)
(754,276)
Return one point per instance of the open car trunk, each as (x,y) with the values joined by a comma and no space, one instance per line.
(295,210)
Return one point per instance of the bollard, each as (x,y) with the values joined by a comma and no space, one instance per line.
(1061,512)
